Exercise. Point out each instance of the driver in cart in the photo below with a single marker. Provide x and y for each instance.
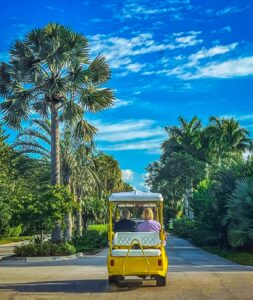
(124, 224)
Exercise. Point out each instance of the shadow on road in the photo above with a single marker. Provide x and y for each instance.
(69, 286)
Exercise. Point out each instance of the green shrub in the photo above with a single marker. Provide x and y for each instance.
(183, 227)
(14, 231)
(45, 249)
(202, 237)
(92, 239)
(99, 227)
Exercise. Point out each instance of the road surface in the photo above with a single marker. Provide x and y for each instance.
(193, 274)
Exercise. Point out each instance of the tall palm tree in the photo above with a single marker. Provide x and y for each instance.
(186, 149)
(50, 72)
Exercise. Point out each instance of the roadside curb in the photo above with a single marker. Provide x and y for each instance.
(11, 258)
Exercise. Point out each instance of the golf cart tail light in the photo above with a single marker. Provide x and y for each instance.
(112, 262)
(159, 262)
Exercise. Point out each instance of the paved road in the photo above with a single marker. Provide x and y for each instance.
(193, 274)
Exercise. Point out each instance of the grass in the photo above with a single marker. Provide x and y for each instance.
(14, 239)
(242, 258)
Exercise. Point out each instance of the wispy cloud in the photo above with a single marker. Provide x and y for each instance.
(226, 10)
(149, 145)
(119, 103)
(122, 52)
(146, 9)
(229, 9)
(228, 69)
(129, 135)
(198, 65)
(216, 50)
(225, 29)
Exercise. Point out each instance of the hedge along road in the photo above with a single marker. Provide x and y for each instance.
(193, 274)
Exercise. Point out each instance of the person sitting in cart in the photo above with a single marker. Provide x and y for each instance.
(149, 225)
(124, 224)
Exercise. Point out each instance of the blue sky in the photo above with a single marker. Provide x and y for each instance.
(168, 58)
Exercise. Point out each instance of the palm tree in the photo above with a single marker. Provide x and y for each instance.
(50, 72)
(186, 138)
(36, 139)
(227, 137)
(184, 145)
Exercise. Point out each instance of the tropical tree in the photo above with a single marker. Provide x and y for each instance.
(36, 139)
(227, 137)
(50, 73)
(239, 214)
(184, 138)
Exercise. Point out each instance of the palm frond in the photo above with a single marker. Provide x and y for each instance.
(33, 134)
(99, 71)
(84, 130)
(95, 100)
(34, 145)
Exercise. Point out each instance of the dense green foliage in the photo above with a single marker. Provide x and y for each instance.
(94, 240)
(51, 73)
(29, 204)
(203, 175)
(44, 249)
(239, 217)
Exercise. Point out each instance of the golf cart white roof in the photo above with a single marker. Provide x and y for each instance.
(137, 196)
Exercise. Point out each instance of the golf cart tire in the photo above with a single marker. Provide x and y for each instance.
(161, 281)
(115, 278)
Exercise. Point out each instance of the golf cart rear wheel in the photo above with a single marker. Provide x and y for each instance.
(160, 281)
(115, 278)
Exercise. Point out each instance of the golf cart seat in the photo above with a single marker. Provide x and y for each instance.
(146, 239)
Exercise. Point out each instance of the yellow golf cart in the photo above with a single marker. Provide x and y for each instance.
(139, 254)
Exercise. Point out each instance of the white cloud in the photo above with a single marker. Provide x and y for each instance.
(226, 29)
(121, 51)
(135, 67)
(228, 69)
(140, 145)
(189, 40)
(130, 135)
(216, 50)
(125, 125)
(119, 103)
(173, 9)
(226, 10)
(229, 9)
(196, 65)
(127, 175)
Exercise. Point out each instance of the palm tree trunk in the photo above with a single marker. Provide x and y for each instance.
(69, 226)
(55, 146)
(79, 225)
(68, 216)
(55, 163)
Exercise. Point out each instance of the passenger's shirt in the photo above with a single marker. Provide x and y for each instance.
(124, 225)
(149, 226)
